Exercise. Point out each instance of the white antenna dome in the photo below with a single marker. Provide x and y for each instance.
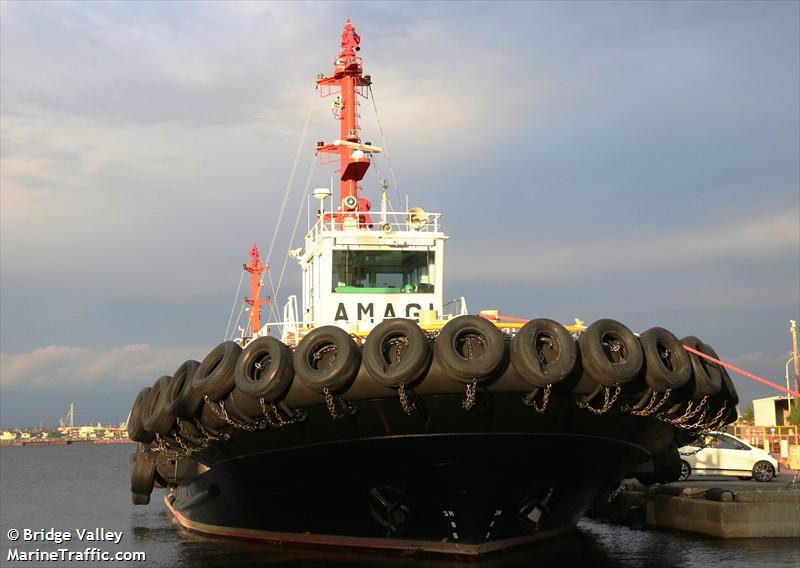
(321, 193)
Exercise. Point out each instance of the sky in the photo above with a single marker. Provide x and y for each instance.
(638, 161)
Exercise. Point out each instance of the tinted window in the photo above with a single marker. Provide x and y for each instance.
(393, 271)
(728, 443)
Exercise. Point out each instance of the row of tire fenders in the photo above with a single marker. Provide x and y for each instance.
(650, 374)
(235, 386)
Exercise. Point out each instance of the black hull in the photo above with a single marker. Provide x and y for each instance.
(463, 483)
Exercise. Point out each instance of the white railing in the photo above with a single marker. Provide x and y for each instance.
(460, 309)
(386, 223)
(290, 324)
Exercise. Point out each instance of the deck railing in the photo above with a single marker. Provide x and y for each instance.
(376, 222)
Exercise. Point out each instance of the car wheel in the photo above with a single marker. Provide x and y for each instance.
(686, 471)
(763, 471)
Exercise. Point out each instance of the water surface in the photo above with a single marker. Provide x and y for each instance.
(86, 486)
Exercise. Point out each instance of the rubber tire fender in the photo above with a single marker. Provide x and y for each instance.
(269, 383)
(138, 499)
(136, 430)
(166, 469)
(414, 362)
(656, 342)
(156, 417)
(707, 376)
(727, 387)
(448, 349)
(727, 391)
(332, 373)
(598, 363)
(143, 474)
(543, 352)
(190, 433)
(214, 377)
(182, 397)
(242, 407)
(213, 424)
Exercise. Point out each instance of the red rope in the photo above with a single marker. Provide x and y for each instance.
(742, 372)
(503, 318)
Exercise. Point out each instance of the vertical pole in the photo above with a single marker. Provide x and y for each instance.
(255, 268)
(793, 330)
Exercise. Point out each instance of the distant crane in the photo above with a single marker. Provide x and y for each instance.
(69, 418)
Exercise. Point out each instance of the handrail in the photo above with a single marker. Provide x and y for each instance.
(400, 221)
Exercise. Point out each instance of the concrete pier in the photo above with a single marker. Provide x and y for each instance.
(723, 510)
(736, 515)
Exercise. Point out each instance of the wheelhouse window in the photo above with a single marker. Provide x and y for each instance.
(383, 272)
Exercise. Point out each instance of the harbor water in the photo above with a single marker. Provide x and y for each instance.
(72, 488)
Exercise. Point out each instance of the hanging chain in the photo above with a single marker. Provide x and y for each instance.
(698, 424)
(330, 403)
(400, 344)
(336, 408)
(407, 406)
(719, 419)
(208, 437)
(687, 415)
(219, 410)
(144, 450)
(469, 401)
(275, 419)
(608, 401)
(653, 406)
(187, 450)
(530, 399)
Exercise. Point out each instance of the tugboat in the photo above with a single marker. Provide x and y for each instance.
(379, 421)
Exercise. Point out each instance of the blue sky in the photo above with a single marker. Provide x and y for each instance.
(639, 161)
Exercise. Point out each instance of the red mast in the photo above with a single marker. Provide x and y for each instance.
(256, 269)
(347, 82)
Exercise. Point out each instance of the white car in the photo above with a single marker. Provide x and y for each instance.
(723, 454)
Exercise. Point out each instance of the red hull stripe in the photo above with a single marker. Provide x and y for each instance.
(308, 539)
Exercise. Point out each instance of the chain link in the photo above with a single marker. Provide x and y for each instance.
(219, 410)
(320, 353)
(710, 426)
(653, 406)
(608, 401)
(699, 424)
(408, 407)
(274, 419)
(530, 399)
(208, 437)
(277, 419)
(330, 403)
(688, 414)
(472, 390)
(337, 408)
(144, 450)
(719, 419)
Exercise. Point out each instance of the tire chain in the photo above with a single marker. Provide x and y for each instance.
(530, 399)
(337, 407)
(608, 401)
(406, 404)
(472, 393)
(687, 415)
(653, 406)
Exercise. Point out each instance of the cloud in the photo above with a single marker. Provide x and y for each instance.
(623, 160)
(550, 259)
(60, 365)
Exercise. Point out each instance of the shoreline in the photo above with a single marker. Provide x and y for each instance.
(62, 442)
